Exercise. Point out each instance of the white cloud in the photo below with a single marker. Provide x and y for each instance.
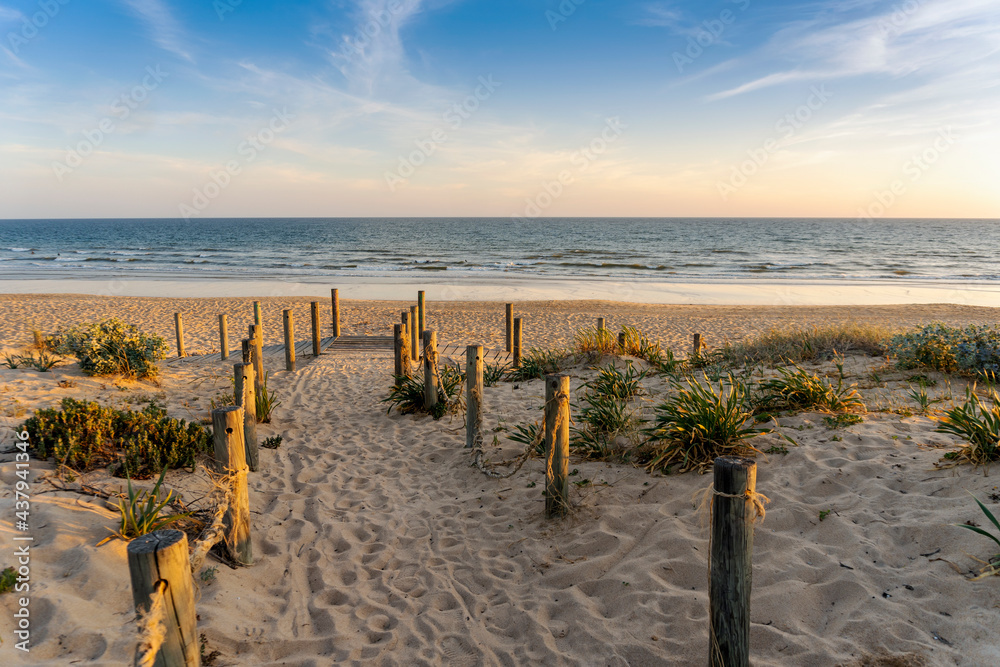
(164, 28)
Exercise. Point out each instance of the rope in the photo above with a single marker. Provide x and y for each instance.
(490, 469)
(210, 536)
(152, 628)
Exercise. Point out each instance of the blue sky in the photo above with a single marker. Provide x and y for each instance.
(169, 108)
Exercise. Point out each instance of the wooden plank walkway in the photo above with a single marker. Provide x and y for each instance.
(303, 349)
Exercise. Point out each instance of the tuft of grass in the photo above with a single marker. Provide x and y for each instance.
(7, 580)
(797, 389)
(920, 397)
(992, 519)
(637, 344)
(978, 424)
(408, 397)
(494, 373)
(596, 341)
(616, 383)
(842, 421)
(271, 443)
(604, 417)
(266, 401)
(701, 422)
(527, 434)
(537, 364)
(142, 512)
(794, 345)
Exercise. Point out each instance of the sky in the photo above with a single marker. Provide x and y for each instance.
(522, 108)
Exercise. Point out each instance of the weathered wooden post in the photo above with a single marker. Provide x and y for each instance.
(246, 398)
(430, 370)
(600, 323)
(556, 445)
(286, 316)
(474, 393)
(400, 352)
(696, 345)
(257, 353)
(223, 336)
(314, 308)
(404, 319)
(335, 298)
(517, 342)
(158, 564)
(230, 456)
(622, 341)
(414, 335)
(179, 325)
(245, 350)
(510, 327)
(256, 313)
(421, 311)
(731, 561)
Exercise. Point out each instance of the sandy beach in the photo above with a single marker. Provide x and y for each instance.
(377, 543)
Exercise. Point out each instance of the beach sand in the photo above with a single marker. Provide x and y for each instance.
(376, 542)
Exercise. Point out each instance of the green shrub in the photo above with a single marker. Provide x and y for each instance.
(794, 345)
(616, 383)
(537, 364)
(494, 373)
(799, 390)
(972, 350)
(408, 396)
(113, 347)
(7, 580)
(701, 423)
(141, 513)
(976, 423)
(604, 417)
(84, 436)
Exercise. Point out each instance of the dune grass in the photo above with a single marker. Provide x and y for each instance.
(781, 345)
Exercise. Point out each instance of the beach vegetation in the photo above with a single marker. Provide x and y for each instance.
(43, 362)
(84, 435)
(978, 424)
(920, 397)
(408, 395)
(596, 341)
(538, 363)
(993, 565)
(806, 344)
(43, 343)
(842, 421)
(797, 389)
(494, 373)
(700, 422)
(271, 443)
(111, 347)
(530, 435)
(266, 401)
(7, 580)
(974, 350)
(142, 512)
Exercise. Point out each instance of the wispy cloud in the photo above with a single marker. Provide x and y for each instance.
(9, 14)
(163, 27)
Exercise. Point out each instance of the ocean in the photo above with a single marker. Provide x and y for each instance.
(633, 249)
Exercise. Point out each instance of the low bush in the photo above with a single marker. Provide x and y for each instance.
(699, 423)
(85, 435)
(978, 424)
(538, 363)
(408, 396)
(112, 347)
(797, 389)
(779, 345)
(974, 350)
(596, 341)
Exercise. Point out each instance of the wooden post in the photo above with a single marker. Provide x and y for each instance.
(246, 398)
(517, 342)
(335, 298)
(256, 313)
(400, 352)
(314, 306)
(223, 336)
(621, 341)
(421, 311)
(179, 325)
(696, 345)
(286, 317)
(731, 562)
(430, 370)
(408, 338)
(230, 456)
(474, 393)
(600, 323)
(510, 327)
(257, 353)
(414, 336)
(556, 445)
(245, 350)
(160, 560)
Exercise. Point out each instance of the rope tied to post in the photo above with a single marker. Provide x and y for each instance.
(214, 533)
(152, 629)
(754, 502)
(490, 469)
